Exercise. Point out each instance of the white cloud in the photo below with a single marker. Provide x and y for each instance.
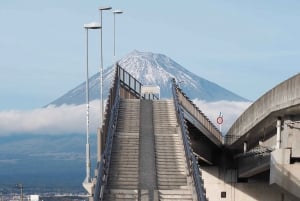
(231, 110)
(51, 120)
(72, 118)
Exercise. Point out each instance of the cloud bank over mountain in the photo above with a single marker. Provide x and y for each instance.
(71, 119)
(65, 119)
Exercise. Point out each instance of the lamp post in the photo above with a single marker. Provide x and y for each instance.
(101, 67)
(87, 182)
(115, 12)
(20, 186)
(101, 86)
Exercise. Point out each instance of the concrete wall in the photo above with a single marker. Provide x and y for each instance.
(290, 135)
(249, 166)
(282, 96)
(216, 181)
(283, 173)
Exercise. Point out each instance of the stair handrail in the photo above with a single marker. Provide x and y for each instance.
(193, 109)
(109, 128)
(130, 83)
(192, 163)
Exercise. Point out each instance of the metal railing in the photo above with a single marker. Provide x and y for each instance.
(109, 128)
(192, 163)
(129, 83)
(132, 86)
(189, 106)
(150, 97)
(129, 86)
(255, 151)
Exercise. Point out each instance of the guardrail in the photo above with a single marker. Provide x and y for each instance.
(255, 151)
(131, 87)
(192, 163)
(124, 85)
(189, 106)
(109, 129)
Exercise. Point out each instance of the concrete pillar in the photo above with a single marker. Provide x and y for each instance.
(278, 134)
(103, 141)
(245, 146)
(290, 135)
(99, 145)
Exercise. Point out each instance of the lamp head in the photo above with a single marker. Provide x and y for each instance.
(105, 8)
(117, 11)
(92, 25)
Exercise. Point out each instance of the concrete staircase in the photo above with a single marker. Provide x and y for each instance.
(148, 159)
(173, 181)
(123, 179)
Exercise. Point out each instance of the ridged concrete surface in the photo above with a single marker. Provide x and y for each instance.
(123, 179)
(148, 160)
(170, 158)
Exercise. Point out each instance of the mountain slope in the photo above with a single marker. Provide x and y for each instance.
(152, 69)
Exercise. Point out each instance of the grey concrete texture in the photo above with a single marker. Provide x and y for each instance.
(217, 181)
(148, 160)
(147, 168)
(284, 174)
(282, 97)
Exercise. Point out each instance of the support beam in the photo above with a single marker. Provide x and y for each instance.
(99, 145)
(278, 134)
(245, 146)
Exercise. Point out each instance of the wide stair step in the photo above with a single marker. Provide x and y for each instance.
(176, 195)
(148, 159)
(121, 194)
(123, 177)
(172, 178)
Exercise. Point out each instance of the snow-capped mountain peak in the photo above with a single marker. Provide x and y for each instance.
(153, 69)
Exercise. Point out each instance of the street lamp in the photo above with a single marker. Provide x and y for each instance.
(101, 67)
(101, 84)
(20, 186)
(87, 182)
(115, 12)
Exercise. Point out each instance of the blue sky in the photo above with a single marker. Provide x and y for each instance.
(245, 46)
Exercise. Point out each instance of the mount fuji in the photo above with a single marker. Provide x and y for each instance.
(152, 69)
(53, 147)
